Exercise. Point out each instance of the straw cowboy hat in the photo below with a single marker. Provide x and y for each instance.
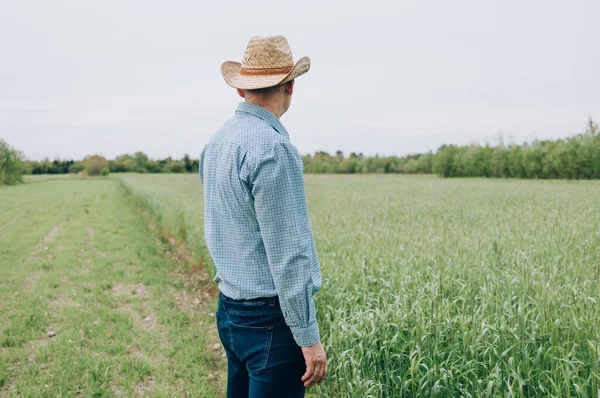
(267, 62)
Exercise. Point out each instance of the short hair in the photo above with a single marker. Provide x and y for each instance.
(267, 91)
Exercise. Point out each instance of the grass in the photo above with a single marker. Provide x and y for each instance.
(88, 302)
(460, 287)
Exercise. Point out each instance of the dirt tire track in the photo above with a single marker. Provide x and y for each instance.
(197, 296)
(7, 226)
(90, 236)
(30, 283)
(143, 318)
(33, 278)
(10, 223)
(47, 239)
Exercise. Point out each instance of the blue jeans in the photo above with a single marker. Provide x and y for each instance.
(263, 360)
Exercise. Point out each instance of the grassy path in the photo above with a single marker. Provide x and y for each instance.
(92, 303)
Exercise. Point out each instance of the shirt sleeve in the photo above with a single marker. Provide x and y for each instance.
(277, 186)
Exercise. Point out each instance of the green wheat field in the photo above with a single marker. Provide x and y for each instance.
(431, 287)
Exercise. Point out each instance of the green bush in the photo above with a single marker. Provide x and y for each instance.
(95, 164)
(104, 172)
(76, 167)
(176, 166)
(11, 169)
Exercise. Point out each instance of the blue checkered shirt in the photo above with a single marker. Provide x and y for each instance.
(256, 220)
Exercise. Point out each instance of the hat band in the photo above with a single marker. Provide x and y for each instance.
(265, 71)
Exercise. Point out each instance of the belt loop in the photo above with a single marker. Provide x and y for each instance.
(272, 301)
(223, 302)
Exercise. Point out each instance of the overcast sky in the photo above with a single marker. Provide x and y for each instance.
(390, 77)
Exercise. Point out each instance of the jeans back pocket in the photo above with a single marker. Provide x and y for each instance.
(251, 344)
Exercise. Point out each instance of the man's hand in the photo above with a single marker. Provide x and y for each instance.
(316, 364)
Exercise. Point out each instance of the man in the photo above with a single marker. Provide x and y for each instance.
(259, 235)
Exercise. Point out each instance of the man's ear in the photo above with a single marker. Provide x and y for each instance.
(289, 87)
(241, 93)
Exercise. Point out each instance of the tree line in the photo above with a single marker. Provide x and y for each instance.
(139, 162)
(323, 162)
(576, 157)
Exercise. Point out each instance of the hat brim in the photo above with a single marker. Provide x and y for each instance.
(232, 76)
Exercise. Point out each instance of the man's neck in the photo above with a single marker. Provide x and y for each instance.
(271, 106)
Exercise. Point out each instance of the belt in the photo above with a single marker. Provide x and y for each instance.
(255, 302)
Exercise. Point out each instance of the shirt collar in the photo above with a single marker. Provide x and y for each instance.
(246, 108)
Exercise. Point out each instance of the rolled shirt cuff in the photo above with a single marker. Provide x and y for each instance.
(306, 337)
